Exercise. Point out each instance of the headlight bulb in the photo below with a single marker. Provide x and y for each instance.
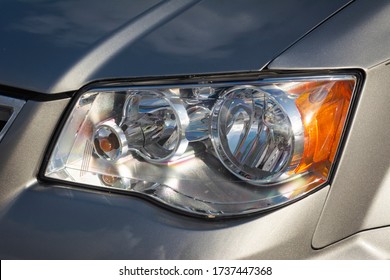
(109, 141)
(153, 125)
(254, 136)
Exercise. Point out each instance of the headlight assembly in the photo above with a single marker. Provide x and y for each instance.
(212, 148)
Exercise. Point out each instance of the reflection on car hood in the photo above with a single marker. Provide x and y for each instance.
(56, 46)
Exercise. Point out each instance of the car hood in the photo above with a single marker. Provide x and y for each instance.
(58, 46)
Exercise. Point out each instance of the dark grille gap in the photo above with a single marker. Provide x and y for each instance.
(5, 114)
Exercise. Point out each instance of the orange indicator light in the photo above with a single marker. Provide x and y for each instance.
(323, 106)
(106, 145)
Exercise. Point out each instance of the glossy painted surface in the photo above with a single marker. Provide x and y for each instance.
(56, 46)
(359, 197)
(40, 40)
(348, 220)
(357, 37)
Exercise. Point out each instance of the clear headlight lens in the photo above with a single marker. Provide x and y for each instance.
(213, 149)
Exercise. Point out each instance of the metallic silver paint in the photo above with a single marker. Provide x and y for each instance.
(40, 220)
(356, 37)
(360, 192)
(54, 46)
(23, 147)
(98, 56)
(367, 245)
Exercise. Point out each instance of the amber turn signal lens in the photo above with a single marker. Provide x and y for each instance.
(323, 106)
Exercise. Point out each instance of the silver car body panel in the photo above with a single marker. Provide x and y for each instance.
(58, 46)
(359, 197)
(347, 220)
